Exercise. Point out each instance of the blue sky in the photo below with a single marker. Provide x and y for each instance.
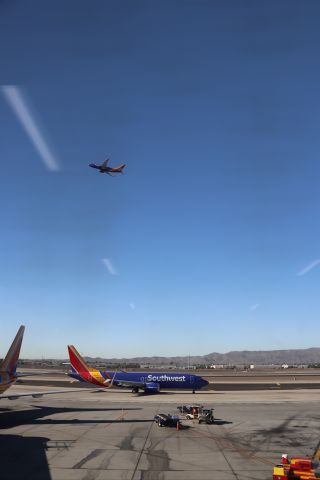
(214, 107)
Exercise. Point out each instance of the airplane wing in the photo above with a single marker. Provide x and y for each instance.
(129, 383)
(105, 163)
(124, 383)
(15, 396)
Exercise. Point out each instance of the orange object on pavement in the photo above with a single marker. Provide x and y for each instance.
(298, 468)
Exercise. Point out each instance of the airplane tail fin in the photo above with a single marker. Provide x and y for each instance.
(86, 373)
(77, 362)
(122, 167)
(10, 361)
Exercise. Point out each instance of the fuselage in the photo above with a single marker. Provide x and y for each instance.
(165, 380)
(106, 169)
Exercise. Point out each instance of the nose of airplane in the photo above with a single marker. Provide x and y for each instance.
(204, 382)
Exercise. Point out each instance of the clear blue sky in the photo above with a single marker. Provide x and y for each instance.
(214, 106)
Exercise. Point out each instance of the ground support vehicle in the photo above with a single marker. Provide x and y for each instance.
(197, 412)
(206, 416)
(185, 409)
(168, 420)
(298, 468)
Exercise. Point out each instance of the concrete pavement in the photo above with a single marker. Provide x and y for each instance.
(98, 436)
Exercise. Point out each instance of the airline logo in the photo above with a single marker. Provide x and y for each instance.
(166, 378)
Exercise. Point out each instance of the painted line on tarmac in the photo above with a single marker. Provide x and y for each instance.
(120, 417)
(230, 446)
(143, 447)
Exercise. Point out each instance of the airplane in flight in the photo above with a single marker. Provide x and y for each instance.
(146, 381)
(9, 374)
(103, 168)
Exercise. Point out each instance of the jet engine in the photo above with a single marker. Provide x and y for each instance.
(152, 387)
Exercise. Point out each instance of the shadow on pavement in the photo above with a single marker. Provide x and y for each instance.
(219, 421)
(183, 426)
(175, 392)
(12, 418)
(24, 458)
(52, 421)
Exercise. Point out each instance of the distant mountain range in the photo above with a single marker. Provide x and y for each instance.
(269, 357)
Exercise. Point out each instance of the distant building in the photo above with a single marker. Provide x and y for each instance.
(158, 367)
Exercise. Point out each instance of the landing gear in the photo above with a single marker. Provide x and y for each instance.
(135, 390)
(193, 391)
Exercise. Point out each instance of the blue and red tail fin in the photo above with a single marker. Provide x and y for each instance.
(77, 362)
(10, 361)
(86, 373)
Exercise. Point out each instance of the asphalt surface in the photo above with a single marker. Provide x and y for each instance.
(231, 384)
(93, 435)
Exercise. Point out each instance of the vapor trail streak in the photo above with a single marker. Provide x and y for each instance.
(108, 264)
(14, 97)
(254, 307)
(309, 267)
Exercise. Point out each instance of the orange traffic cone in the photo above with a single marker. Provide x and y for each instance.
(178, 425)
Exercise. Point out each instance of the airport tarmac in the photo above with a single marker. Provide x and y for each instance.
(239, 381)
(94, 435)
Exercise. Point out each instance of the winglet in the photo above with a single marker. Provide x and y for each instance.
(9, 364)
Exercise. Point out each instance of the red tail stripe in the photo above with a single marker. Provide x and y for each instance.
(76, 362)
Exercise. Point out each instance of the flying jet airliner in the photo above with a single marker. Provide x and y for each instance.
(103, 168)
(146, 381)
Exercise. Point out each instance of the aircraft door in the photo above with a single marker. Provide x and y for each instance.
(191, 379)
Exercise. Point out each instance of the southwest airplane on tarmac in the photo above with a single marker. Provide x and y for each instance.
(148, 382)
